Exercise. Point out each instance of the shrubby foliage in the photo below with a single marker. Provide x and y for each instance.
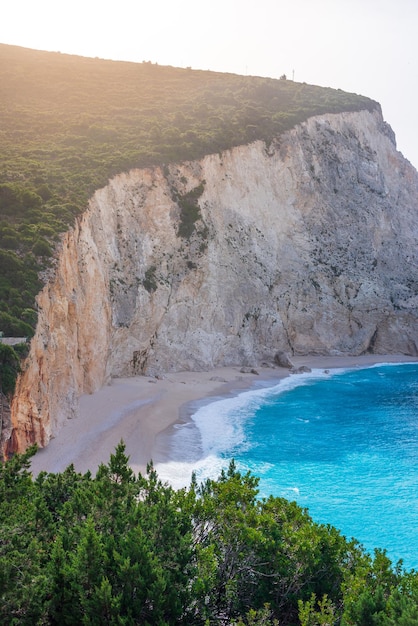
(124, 549)
(9, 368)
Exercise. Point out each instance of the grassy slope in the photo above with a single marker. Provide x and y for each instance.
(69, 123)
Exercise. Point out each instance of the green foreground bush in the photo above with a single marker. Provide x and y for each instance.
(123, 549)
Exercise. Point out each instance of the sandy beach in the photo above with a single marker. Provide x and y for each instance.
(140, 410)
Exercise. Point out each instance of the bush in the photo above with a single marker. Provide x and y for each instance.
(9, 369)
(42, 248)
(189, 211)
(13, 327)
(124, 549)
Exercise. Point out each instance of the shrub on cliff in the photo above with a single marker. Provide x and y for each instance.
(10, 326)
(9, 369)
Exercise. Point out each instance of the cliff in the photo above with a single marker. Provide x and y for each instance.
(307, 245)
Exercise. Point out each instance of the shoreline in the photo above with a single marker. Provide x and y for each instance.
(145, 411)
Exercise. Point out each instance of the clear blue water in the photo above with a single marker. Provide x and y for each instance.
(344, 444)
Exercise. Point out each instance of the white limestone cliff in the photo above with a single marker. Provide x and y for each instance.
(307, 245)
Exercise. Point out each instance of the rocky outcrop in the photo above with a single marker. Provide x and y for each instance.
(307, 246)
(282, 359)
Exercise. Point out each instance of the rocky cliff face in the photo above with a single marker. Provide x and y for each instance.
(307, 245)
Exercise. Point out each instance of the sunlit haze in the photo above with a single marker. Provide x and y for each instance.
(368, 47)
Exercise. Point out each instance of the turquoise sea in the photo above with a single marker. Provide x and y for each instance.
(343, 443)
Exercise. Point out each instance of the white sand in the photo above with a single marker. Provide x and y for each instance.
(138, 409)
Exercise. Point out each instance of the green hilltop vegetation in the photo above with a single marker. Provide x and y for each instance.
(68, 124)
(122, 549)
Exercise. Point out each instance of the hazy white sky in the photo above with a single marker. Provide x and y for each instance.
(363, 46)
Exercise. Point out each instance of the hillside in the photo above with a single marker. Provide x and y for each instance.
(69, 123)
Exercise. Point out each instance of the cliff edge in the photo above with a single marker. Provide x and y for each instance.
(308, 245)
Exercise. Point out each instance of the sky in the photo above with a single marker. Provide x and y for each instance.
(369, 47)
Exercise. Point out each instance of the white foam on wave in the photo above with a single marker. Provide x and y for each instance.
(391, 364)
(179, 473)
